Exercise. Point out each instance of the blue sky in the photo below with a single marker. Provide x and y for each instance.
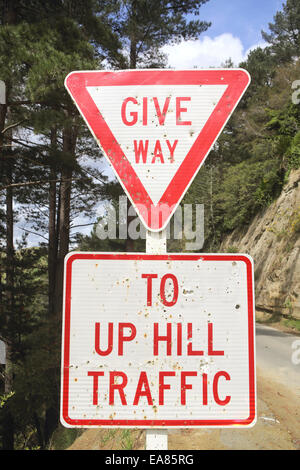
(242, 18)
(236, 29)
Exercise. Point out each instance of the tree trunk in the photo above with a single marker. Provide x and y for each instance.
(60, 240)
(8, 436)
(133, 40)
(51, 415)
(9, 277)
(133, 54)
(69, 145)
(52, 233)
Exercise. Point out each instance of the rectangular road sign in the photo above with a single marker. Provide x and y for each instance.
(158, 341)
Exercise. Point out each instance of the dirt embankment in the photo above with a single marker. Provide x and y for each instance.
(273, 241)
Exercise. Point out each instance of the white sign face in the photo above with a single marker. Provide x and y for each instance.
(158, 341)
(156, 145)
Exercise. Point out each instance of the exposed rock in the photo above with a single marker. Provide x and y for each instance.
(273, 241)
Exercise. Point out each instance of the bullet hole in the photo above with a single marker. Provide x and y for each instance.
(237, 306)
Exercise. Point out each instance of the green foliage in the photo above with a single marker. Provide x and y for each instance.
(292, 323)
(63, 437)
(294, 225)
(293, 152)
(284, 38)
(23, 328)
(127, 441)
(285, 124)
(247, 188)
(259, 147)
(261, 67)
(232, 249)
(5, 398)
(147, 25)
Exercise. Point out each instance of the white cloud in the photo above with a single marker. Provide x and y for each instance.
(207, 52)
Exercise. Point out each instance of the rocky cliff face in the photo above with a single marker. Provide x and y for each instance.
(273, 241)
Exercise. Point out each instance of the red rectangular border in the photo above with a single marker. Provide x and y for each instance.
(237, 81)
(66, 420)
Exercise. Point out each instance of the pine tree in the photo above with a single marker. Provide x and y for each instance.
(284, 35)
(145, 26)
(41, 43)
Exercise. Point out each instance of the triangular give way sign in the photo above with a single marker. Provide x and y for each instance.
(156, 127)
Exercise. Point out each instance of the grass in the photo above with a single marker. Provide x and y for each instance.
(122, 439)
(64, 437)
(109, 434)
(288, 322)
(127, 439)
(292, 323)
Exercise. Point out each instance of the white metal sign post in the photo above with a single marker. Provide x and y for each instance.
(156, 243)
(157, 340)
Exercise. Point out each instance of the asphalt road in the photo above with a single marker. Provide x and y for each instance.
(276, 356)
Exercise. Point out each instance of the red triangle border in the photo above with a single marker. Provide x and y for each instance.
(155, 218)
